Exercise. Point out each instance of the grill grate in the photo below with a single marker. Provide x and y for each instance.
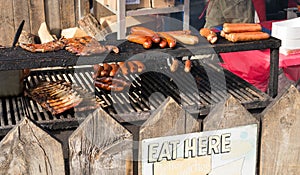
(148, 90)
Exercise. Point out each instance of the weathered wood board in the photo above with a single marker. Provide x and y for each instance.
(37, 14)
(21, 12)
(29, 150)
(280, 145)
(228, 114)
(52, 15)
(100, 145)
(167, 120)
(67, 13)
(7, 25)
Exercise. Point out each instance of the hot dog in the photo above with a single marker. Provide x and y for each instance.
(241, 27)
(246, 36)
(97, 70)
(170, 40)
(174, 65)
(185, 38)
(163, 43)
(123, 68)
(188, 65)
(210, 35)
(139, 64)
(115, 68)
(146, 32)
(140, 39)
(132, 67)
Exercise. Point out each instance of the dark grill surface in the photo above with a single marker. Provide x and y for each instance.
(195, 92)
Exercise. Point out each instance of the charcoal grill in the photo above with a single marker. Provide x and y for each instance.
(138, 102)
(135, 104)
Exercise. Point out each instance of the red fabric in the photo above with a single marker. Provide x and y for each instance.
(253, 66)
(260, 7)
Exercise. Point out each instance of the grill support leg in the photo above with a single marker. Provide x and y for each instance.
(274, 68)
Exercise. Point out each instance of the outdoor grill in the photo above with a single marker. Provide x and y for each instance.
(147, 91)
(134, 104)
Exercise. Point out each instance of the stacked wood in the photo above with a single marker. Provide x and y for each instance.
(280, 148)
(27, 149)
(44, 34)
(100, 145)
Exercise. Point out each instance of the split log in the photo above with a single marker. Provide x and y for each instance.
(73, 32)
(27, 149)
(26, 38)
(228, 114)
(100, 145)
(167, 120)
(44, 33)
(280, 148)
(92, 27)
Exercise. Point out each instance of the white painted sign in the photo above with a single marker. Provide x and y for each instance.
(229, 151)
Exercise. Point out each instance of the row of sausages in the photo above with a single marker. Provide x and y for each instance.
(105, 75)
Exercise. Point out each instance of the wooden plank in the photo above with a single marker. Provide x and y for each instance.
(167, 120)
(7, 23)
(100, 10)
(102, 144)
(280, 135)
(52, 12)
(27, 149)
(21, 12)
(37, 15)
(82, 8)
(67, 13)
(228, 114)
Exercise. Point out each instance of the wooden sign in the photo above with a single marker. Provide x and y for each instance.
(226, 151)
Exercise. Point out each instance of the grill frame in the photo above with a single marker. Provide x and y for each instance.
(82, 77)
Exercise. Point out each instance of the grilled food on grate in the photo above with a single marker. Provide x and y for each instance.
(58, 97)
(79, 45)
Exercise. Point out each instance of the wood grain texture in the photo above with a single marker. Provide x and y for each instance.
(228, 114)
(53, 20)
(100, 145)
(21, 12)
(37, 14)
(167, 120)
(67, 13)
(27, 149)
(7, 25)
(280, 148)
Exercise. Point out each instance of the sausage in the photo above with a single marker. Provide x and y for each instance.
(246, 36)
(123, 68)
(132, 67)
(163, 43)
(174, 65)
(97, 70)
(140, 39)
(241, 27)
(106, 69)
(210, 35)
(188, 65)
(102, 85)
(115, 68)
(170, 40)
(180, 32)
(139, 64)
(111, 84)
(185, 38)
(104, 79)
(146, 32)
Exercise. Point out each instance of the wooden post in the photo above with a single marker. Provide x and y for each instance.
(280, 146)
(228, 114)
(37, 14)
(100, 145)
(27, 149)
(7, 26)
(167, 120)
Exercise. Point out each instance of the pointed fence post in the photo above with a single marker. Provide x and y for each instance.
(280, 145)
(100, 145)
(27, 149)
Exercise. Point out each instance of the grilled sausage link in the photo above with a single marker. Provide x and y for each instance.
(140, 39)
(210, 35)
(241, 27)
(146, 32)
